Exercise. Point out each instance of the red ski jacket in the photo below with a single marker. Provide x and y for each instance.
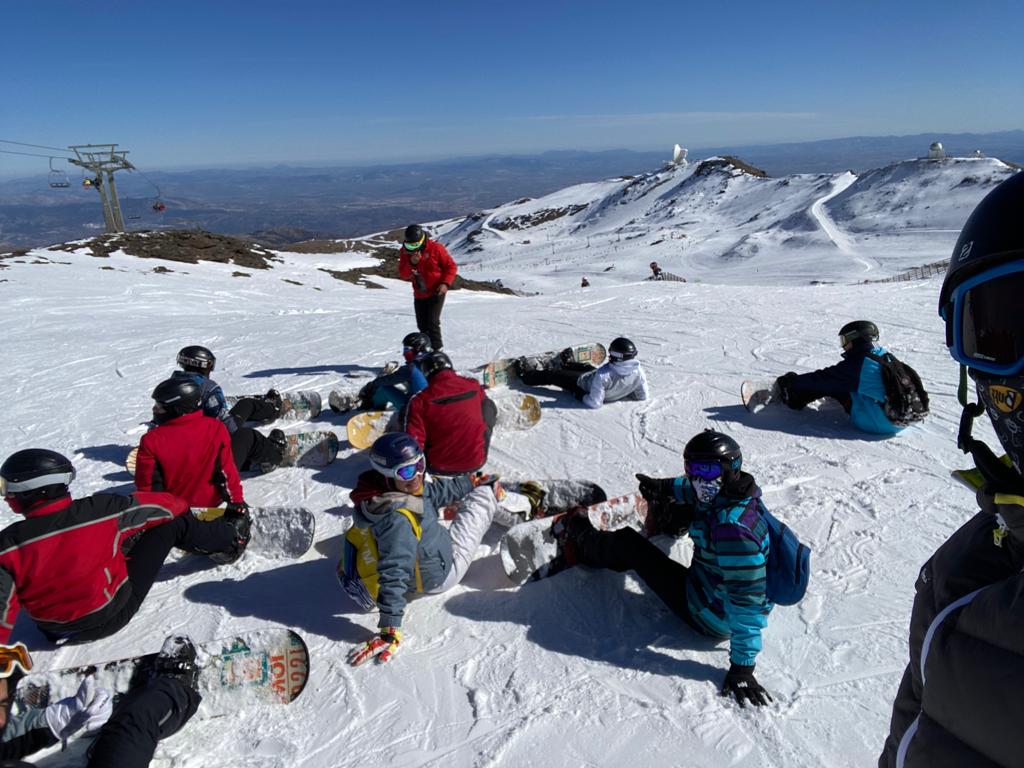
(64, 562)
(189, 456)
(434, 267)
(452, 421)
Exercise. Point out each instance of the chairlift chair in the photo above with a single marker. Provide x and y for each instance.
(58, 179)
(159, 206)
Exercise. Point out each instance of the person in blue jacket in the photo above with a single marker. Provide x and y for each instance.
(397, 387)
(722, 594)
(250, 449)
(856, 381)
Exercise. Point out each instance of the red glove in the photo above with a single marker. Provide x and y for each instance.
(383, 647)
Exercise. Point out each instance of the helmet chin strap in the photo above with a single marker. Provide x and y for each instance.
(992, 469)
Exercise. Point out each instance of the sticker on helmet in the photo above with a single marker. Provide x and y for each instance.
(1005, 399)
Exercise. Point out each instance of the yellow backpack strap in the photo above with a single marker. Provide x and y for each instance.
(416, 529)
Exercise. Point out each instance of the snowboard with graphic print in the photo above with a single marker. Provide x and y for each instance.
(261, 667)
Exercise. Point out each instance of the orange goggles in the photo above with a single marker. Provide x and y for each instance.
(14, 657)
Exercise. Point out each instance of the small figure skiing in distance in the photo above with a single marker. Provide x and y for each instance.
(584, 283)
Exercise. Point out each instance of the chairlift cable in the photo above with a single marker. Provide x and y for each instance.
(37, 146)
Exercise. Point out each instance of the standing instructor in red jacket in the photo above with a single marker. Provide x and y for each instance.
(426, 264)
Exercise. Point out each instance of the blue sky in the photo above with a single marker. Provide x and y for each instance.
(232, 83)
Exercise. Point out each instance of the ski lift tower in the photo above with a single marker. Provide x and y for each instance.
(103, 160)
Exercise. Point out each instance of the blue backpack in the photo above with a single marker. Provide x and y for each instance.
(789, 563)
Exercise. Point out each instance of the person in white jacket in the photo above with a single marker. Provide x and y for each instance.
(621, 378)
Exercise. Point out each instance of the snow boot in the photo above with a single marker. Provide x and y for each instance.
(242, 525)
(177, 658)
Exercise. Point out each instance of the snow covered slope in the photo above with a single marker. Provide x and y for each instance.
(586, 668)
(714, 220)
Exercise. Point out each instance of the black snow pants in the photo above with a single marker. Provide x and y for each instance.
(254, 409)
(628, 550)
(566, 377)
(250, 449)
(798, 398)
(147, 714)
(147, 556)
(428, 318)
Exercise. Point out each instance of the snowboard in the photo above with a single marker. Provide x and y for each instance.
(556, 496)
(514, 412)
(308, 449)
(295, 406)
(530, 551)
(264, 666)
(972, 479)
(756, 395)
(277, 532)
(502, 371)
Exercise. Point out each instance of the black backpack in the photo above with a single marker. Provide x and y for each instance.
(906, 401)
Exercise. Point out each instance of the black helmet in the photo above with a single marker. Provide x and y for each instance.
(393, 450)
(858, 329)
(176, 397)
(980, 301)
(434, 362)
(714, 446)
(993, 235)
(197, 359)
(414, 237)
(417, 341)
(621, 349)
(36, 473)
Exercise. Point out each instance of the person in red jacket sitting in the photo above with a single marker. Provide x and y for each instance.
(451, 419)
(81, 568)
(187, 453)
(426, 264)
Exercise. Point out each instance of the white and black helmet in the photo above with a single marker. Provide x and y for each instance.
(33, 470)
(197, 359)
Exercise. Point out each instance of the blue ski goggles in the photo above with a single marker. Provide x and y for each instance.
(705, 470)
(406, 471)
(984, 322)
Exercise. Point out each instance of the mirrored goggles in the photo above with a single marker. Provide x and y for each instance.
(415, 246)
(984, 323)
(411, 353)
(406, 471)
(705, 470)
(14, 657)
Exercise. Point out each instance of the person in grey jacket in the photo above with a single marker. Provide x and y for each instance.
(397, 546)
(621, 378)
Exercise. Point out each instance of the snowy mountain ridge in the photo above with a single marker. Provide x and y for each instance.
(715, 221)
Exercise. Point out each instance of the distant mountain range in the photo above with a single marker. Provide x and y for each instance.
(285, 204)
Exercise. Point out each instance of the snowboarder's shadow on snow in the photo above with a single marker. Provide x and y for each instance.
(590, 614)
(283, 596)
(829, 421)
(115, 454)
(311, 369)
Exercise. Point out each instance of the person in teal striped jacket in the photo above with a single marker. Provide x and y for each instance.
(722, 593)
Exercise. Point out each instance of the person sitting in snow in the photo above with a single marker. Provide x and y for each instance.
(396, 545)
(251, 450)
(127, 734)
(452, 419)
(395, 388)
(82, 567)
(621, 378)
(856, 382)
(722, 593)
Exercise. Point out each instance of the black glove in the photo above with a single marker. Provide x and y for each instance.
(236, 508)
(740, 683)
(653, 489)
